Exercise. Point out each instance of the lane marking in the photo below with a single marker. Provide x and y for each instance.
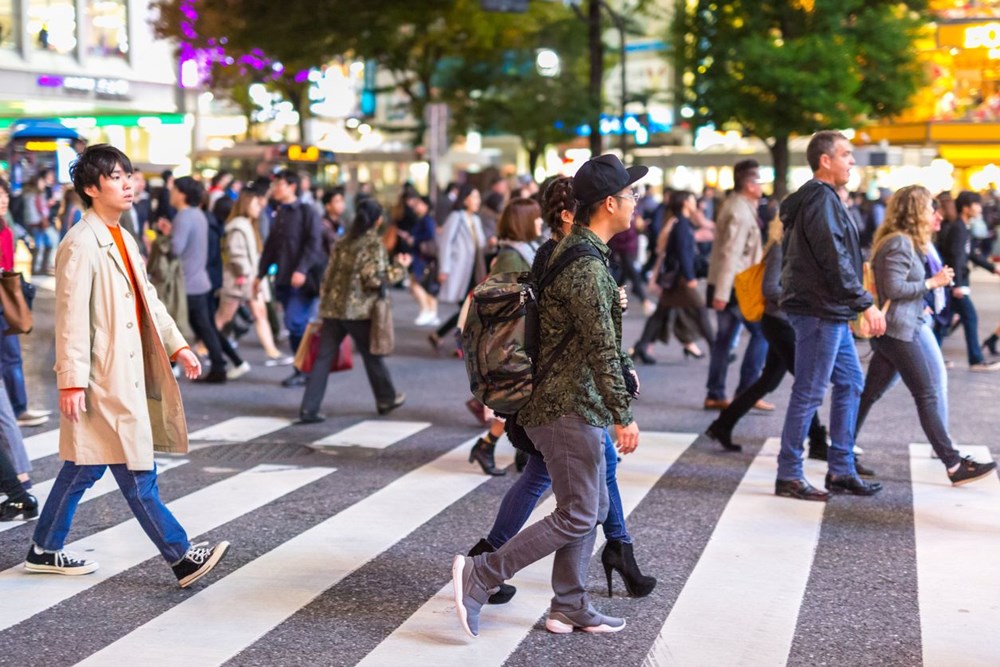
(757, 561)
(241, 429)
(373, 434)
(958, 539)
(126, 545)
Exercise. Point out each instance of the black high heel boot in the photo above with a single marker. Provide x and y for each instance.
(504, 592)
(482, 453)
(639, 352)
(20, 510)
(991, 345)
(618, 555)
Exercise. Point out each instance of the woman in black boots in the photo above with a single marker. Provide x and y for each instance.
(519, 501)
(19, 504)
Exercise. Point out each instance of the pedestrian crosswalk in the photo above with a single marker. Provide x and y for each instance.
(756, 567)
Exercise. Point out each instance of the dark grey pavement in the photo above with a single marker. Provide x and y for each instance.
(860, 605)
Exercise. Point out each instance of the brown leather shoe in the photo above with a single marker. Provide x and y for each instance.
(763, 406)
(800, 489)
(716, 404)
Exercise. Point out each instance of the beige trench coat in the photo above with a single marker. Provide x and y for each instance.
(133, 401)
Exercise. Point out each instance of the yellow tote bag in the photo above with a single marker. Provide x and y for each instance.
(749, 288)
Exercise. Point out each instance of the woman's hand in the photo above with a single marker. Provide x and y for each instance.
(404, 260)
(943, 277)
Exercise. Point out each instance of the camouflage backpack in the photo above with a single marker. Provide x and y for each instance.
(500, 337)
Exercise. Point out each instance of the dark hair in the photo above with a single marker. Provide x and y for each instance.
(219, 176)
(366, 214)
(259, 186)
(192, 190)
(584, 213)
(517, 222)
(166, 175)
(331, 193)
(966, 199)
(463, 193)
(677, 200)
(494, 201)
(222, 208)
(290, 177)
(96, 161)
(43, 173)
(557, 196)
(742, 172)
(821, 144)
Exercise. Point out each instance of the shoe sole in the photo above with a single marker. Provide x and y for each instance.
(36, 568)
(974, 479)
(820, 499)
(558, 627)
(847, 492)
(209, 565)
(237, 376)
(457, 567)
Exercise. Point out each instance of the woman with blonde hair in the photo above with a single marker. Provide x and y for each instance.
(242, 245)
(780, 358)
(908, 348)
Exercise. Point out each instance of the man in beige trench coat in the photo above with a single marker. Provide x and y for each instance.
(118, 397)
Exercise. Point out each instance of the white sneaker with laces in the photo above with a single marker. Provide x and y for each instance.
(236, 372)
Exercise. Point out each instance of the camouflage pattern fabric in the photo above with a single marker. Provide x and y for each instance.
(353, 276)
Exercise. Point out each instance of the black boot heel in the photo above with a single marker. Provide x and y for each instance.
(21, 510)
(618, 555)
(482, 453)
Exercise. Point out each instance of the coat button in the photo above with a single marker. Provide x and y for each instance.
(129, 325)
(128, 295)
(131, 355)
(136, 385)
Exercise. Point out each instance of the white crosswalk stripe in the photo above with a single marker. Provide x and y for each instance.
(759, 559)
(104, 486)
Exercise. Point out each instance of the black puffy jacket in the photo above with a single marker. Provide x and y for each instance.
(822, 270)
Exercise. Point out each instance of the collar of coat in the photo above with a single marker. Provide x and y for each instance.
(107, 242)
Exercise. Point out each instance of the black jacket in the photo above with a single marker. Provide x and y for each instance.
(822, 269)
(294, 244)
(954, 244)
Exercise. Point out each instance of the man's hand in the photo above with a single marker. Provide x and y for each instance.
(190, 363)
(623, 298)
(628, 437)
(298, 279)
(958, 293)
(876, 320)
(404, 260)
(692, 284)
(719, 305)
(71, 403)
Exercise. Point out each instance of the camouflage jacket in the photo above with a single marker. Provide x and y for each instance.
(353, 276)
(587, 379)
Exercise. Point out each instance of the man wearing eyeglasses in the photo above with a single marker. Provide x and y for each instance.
(737, 247)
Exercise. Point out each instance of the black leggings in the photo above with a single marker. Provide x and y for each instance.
(202, 320)
(780, 338)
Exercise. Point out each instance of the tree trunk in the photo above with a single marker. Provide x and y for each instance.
(534, 154)
(596, 41)
(779, 158)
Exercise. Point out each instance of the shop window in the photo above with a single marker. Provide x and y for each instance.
(107, 28)
(52, 25)
(8, 23)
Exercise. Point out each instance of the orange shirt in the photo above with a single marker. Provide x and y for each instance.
(116, 234)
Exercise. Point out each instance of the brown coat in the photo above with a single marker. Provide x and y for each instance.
(133, 401)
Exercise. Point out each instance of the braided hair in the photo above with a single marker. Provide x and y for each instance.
(557, 196)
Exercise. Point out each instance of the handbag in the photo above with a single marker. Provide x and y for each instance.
(14, 296)
(382, 339)
(305, 356)
(749, 288)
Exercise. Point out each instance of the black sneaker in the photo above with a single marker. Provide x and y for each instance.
(851, 484)
(970, 471)
(723, 437)
(198, 561)
(59, 562)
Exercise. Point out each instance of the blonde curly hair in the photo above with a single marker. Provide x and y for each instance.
(907, 214)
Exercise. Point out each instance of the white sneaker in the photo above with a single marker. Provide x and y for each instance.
(34, 414)
(435, 321)
(25, 420)
(236, 372)
(280, 360)
(425, 318)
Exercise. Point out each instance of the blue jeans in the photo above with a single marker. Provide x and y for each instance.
(13, 372)
(139, 489)
(824, 354)
(299, 311)
(521, 498)
(729, 321)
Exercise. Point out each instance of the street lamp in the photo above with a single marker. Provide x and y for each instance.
(547, 62)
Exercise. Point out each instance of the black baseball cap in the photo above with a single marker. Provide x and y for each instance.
(602, 177)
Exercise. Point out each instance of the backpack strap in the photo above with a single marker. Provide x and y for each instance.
(552, 271)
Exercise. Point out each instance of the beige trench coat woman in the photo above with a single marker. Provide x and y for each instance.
(133, 401)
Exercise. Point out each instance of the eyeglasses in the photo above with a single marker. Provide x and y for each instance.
(634, 196)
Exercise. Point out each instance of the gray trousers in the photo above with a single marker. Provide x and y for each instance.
(10, 435)
(574, 456)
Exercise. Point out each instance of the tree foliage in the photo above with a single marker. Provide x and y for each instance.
(788, 67)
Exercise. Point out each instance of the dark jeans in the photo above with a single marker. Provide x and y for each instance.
(299, 309)
(910, 360)
(521, 498)
(970, 323)
(202, 321)
(729, 320)
(628, 272)
(331, 335)
(13, 372)
(780, 360)
(139, 489)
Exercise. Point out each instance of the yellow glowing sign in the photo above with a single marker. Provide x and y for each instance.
(298, 154)
(41, 146)
(983, 36)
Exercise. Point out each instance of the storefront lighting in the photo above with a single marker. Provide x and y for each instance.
(148, 122)
(41, 146)
(352, 123)
(357, 68)
(364, 128)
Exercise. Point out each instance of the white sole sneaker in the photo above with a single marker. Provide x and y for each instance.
(237, 372)
(558, 624)
(40, 568)
(217, 554)
(457, 567)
